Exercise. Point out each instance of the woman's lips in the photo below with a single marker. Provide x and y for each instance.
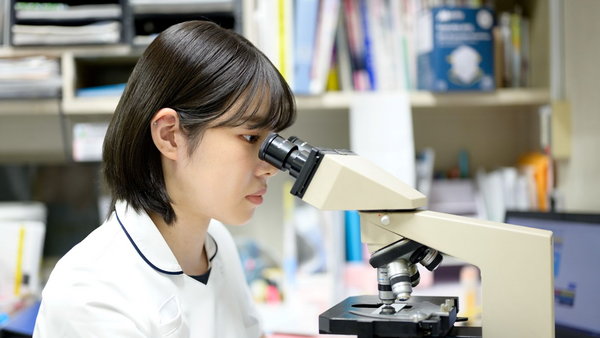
(257, 197)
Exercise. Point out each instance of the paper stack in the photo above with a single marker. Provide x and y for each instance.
(105, 32)
(31, 77)
(39, 23)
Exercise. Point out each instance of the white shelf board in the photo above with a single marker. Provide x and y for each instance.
(58, 51)
(341, 101)
(181, 6)
(90, 105)
(423, 99)
(28, 106)
(330, 100)
(501, 97)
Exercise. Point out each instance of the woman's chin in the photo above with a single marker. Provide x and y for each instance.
(237, 220)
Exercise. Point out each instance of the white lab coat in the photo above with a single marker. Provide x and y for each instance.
(124, 281)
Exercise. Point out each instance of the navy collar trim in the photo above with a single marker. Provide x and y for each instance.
(142, 255)
(216, 247)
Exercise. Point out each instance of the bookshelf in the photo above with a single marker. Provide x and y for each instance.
(485, 120)
(515, 109)
(495, 127)
(73, 105)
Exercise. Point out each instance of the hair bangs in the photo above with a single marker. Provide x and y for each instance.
(267, 91)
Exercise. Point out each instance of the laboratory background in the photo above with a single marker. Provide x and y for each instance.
(489, 108)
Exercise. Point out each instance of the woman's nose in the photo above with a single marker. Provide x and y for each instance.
(267, 169)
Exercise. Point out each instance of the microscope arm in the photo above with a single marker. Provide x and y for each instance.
(516, 263)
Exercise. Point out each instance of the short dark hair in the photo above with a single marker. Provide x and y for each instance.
(201, 71)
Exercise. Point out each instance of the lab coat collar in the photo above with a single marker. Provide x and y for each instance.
(148, 241)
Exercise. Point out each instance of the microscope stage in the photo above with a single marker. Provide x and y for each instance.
(419, 316)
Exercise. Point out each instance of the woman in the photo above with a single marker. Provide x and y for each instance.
(181, 150)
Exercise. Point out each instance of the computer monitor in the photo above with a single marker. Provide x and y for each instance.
(576, 268)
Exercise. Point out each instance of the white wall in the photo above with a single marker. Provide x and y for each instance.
(579, 177)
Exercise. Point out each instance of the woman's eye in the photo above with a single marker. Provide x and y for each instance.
(251, 138)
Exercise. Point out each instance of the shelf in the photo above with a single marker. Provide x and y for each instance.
(90, 106)
(421, 99)
(501, 97)
(58, 51)
(28, 106)
(341, 101)
(182, 7)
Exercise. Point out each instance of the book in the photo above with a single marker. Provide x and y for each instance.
(540, 166)
(324, 42)
(515, 32)
(265, 19)
(386, 45)
(507, 48)
(498, 56)
(343, 57)
(4, 10)
(367, 41)
(286, 40)
(399, 44)
(360, 77)
(333, 83)
(305, 21)
(409, 11)
(525, 81)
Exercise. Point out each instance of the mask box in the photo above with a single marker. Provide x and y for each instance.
(455, 49)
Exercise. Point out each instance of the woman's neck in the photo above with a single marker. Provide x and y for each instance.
(186, 239)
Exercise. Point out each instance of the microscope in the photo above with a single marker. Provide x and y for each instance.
(516, 262)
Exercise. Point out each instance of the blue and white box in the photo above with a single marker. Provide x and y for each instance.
(455, 49)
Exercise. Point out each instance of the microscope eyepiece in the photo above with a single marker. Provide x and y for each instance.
(283, 154)
(274, 150)
(302, 145)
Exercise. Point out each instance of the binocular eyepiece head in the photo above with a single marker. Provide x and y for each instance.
(290, 154)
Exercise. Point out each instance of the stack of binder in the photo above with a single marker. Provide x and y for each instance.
(31, 77)
(39, 23)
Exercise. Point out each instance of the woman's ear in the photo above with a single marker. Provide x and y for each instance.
(166, 135)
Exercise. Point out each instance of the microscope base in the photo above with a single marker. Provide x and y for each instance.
(419, 316)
